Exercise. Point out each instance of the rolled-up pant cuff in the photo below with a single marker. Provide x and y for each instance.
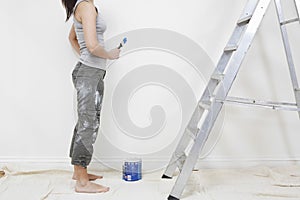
(82, 163)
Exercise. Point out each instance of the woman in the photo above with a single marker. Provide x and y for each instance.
(86, 37)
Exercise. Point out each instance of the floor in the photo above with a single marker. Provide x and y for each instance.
(256, 183)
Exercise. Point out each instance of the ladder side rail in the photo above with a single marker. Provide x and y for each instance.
(244, 46)
(297, 5)
(231, 44)
(288, 53)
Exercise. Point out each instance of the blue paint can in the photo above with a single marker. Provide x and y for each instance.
(132, 169)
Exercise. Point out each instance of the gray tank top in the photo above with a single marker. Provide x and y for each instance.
(85, 56)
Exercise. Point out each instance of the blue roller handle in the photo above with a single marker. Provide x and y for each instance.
(122, 43)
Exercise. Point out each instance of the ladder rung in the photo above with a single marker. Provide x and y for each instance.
(244, 20)
(205, 104)
(218, 77)
(248, 12)
(191, 133)
(289, 21)
(230, 48)
(180, 161)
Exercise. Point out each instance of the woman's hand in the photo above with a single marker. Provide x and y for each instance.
(114, 54)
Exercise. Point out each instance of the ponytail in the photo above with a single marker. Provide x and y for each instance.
(69, 6)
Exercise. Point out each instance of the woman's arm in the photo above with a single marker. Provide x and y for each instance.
(73, 40)
(87, 14)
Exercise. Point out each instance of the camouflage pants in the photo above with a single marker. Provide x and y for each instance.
(89, 85)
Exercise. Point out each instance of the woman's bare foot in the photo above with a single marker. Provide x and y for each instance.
(83, 184)
(90, 187)
(92, 177)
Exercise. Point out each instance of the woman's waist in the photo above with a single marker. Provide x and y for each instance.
(93, 61)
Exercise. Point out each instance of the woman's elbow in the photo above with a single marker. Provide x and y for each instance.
(72, 38)
(92, 47)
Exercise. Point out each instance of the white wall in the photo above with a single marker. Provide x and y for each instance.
(37, 111)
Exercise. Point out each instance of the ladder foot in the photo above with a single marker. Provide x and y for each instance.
(166, 177)
(172, 198)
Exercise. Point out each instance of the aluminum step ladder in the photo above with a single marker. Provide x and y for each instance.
(215, 94)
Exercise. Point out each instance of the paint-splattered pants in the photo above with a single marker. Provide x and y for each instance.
(89, 85)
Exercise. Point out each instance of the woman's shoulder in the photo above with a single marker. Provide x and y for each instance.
(84, 5)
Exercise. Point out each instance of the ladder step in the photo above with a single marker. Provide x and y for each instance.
(205, 104)
(217, 77)
(230, 48)
(190, 133)
(247, 12)
(289, 21)
(244, 20)
(297, 89)
(180, 161)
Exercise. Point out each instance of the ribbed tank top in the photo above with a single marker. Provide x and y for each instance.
(85, 56)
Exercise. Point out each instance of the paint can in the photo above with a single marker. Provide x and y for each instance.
(132, 169)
